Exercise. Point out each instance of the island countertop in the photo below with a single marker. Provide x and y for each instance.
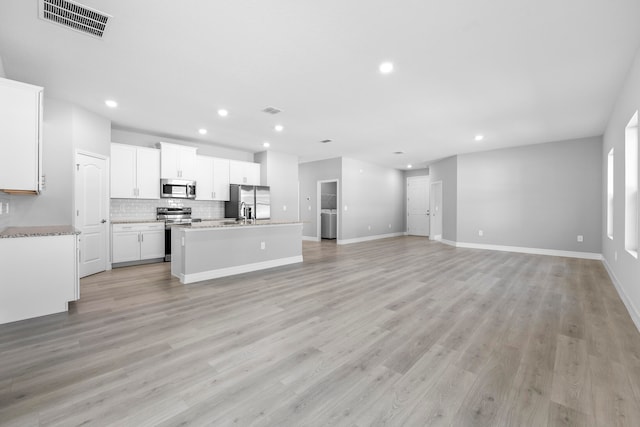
(38, 231)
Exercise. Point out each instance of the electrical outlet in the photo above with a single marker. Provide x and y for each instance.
(284, 207)
(263, 245)
(309, 207)
(389, 225)
(615, 256)
(580, 238)
(369, 227)
(480, 233)
(346, 208)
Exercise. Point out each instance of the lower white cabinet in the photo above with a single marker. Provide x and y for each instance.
(39, 276)
(137, 241)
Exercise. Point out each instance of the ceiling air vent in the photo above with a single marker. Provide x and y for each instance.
(74, 16)
(271, 110)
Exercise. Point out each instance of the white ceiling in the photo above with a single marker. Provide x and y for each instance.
(518, 72)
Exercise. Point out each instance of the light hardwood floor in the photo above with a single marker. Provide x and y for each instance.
(400, 331)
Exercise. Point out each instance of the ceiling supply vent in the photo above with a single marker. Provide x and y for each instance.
(271, 110)
(74, 16)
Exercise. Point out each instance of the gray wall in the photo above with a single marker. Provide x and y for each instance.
(280, 172)
(626, 268)
(309, 174)
(375, 199)
(446, 170)
(65, 129)
(5, 218)
(142, 139)
(537, 196)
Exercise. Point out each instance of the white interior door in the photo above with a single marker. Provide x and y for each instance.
(418, 206)
(92, 212)
(435, 209)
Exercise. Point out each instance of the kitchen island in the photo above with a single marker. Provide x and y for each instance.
(213, 249)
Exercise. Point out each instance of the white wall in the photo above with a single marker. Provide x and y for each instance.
(280, 172)
(625, 270)
(537, 196)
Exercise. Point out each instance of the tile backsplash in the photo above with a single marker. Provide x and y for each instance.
(5, 218)
(146, 209)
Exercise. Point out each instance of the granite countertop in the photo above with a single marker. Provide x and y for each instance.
(135, 221)
(38, 231)
(227, 223)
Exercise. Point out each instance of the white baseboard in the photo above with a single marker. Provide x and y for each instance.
(230, 271)
(369, 238)
(310, 238)
(633, 311)
(524, 250)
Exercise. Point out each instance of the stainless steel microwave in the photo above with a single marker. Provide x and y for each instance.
(177, 189)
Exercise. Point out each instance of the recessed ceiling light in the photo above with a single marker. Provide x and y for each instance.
(223, 113)
(278, 128)
(409, 166)
(398, 152)
(202, 131)
(111, 103)
(266, 144)
(386, 67)
(479, 137)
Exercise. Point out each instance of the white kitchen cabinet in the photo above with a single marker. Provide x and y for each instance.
(212, 178)
(135, 172)
(177, 161)
(137, 241)
(244, 172)
(39, 276)
(20, 137)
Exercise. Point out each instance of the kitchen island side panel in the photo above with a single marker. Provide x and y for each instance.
(217, 252)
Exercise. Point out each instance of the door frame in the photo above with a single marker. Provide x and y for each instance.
(433, 236)
(107, 240)
(319, 208)
(406, 228)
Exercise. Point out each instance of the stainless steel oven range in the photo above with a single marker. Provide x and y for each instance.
(172, 217)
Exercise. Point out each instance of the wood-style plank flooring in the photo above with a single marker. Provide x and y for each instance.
(400, 331)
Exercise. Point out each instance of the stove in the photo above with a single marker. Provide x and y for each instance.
(172, 217)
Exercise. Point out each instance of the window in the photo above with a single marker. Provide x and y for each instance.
(610, 194)
(631, 186)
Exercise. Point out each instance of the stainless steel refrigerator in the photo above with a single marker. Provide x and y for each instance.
(248, 201)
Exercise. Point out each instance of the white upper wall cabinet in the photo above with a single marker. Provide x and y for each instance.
(135, 172)
(212, 178)
(244, 172)
(20, 137)
(177, 161)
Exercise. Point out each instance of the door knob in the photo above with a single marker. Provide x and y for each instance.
(103, 221)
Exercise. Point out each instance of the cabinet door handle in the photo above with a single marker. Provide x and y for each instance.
(141, 237)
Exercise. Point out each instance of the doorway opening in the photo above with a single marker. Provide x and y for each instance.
(328, 212)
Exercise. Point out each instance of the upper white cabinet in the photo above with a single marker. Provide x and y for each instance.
(177, 161)
(20, 137)
(135, 172)
(244, 172)
(212, 178)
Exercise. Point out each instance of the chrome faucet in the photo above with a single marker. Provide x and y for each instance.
(243, 211)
